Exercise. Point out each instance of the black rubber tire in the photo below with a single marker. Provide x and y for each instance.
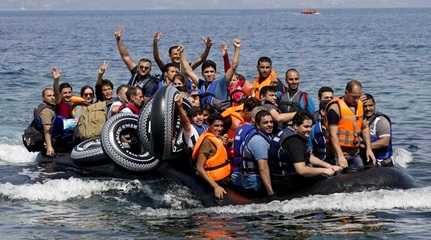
(145, 125)
(89, 152)
(165, 124)
(137, 160)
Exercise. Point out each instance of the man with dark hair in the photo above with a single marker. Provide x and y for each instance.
(135, 100)
(63, 95)
(266, 76)
(269, 102)
(141, 72)
(252, 174)
(103, 86)
(295, 99)
(169, 73)
(319, 138)
(347, 124)
(174, 55)
(213, 91)
(380, 132)
(288, 151)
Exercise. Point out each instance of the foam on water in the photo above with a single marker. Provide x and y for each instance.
(402, 157)
(15, 154)
(417, 198)
(65, 189)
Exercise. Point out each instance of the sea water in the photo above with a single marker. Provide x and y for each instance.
(387, 49)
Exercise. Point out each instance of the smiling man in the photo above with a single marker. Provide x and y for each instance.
(288, 152)
(141, 72)
(252, 174)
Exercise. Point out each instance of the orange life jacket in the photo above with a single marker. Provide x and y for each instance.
(237, 119)
(217, 167)
(266, 82)
(350, 124)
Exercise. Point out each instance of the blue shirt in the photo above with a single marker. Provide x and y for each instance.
(257, 148)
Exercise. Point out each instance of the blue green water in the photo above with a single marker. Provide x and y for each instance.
(387, 49)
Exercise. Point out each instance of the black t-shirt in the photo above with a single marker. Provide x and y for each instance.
(296, 151)
(149, 84)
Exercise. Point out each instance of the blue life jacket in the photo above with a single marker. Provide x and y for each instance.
(278, 159)
(200, 129)
(383, 153)
(319, 141)
(243, 135)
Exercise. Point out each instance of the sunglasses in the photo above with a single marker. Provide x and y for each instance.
(88, 94)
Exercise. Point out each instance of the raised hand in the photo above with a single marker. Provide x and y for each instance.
(237, 42)
(223, 48)
(207, 41)
(119, 33)
(56, 73)
(103, 67)
(157, 36)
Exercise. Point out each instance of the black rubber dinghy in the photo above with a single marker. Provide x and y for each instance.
(89, 152)
(165, 124)
(145, 125)
(291, 187)
(121, 143)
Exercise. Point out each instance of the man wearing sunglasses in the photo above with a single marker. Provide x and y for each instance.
(141, 72)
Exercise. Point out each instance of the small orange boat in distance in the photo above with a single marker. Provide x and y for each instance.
(311, 11)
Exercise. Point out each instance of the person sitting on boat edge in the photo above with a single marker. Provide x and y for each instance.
(141, 72)
(49, 124)
(288, 152)
(319, 137)
(210, 156)
(174, 55)
(294, 98)
(269, 102)
(135, 100)
(214, 92)
(251, 174)
(380, 132)
(346, 123)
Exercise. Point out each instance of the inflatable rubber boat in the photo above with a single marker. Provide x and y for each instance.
(150, 146)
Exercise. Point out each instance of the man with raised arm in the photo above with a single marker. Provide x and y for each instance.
(174, 55)
(103, 86)
(213, 90)
(141, 72)
(347, 124)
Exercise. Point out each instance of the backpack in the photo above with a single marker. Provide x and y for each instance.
(91, 121)
(33, 139)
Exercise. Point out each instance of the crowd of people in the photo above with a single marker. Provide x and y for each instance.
(240, 132)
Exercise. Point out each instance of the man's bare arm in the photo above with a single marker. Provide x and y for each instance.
(122, 49)
(156, 53)
(203, 57)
